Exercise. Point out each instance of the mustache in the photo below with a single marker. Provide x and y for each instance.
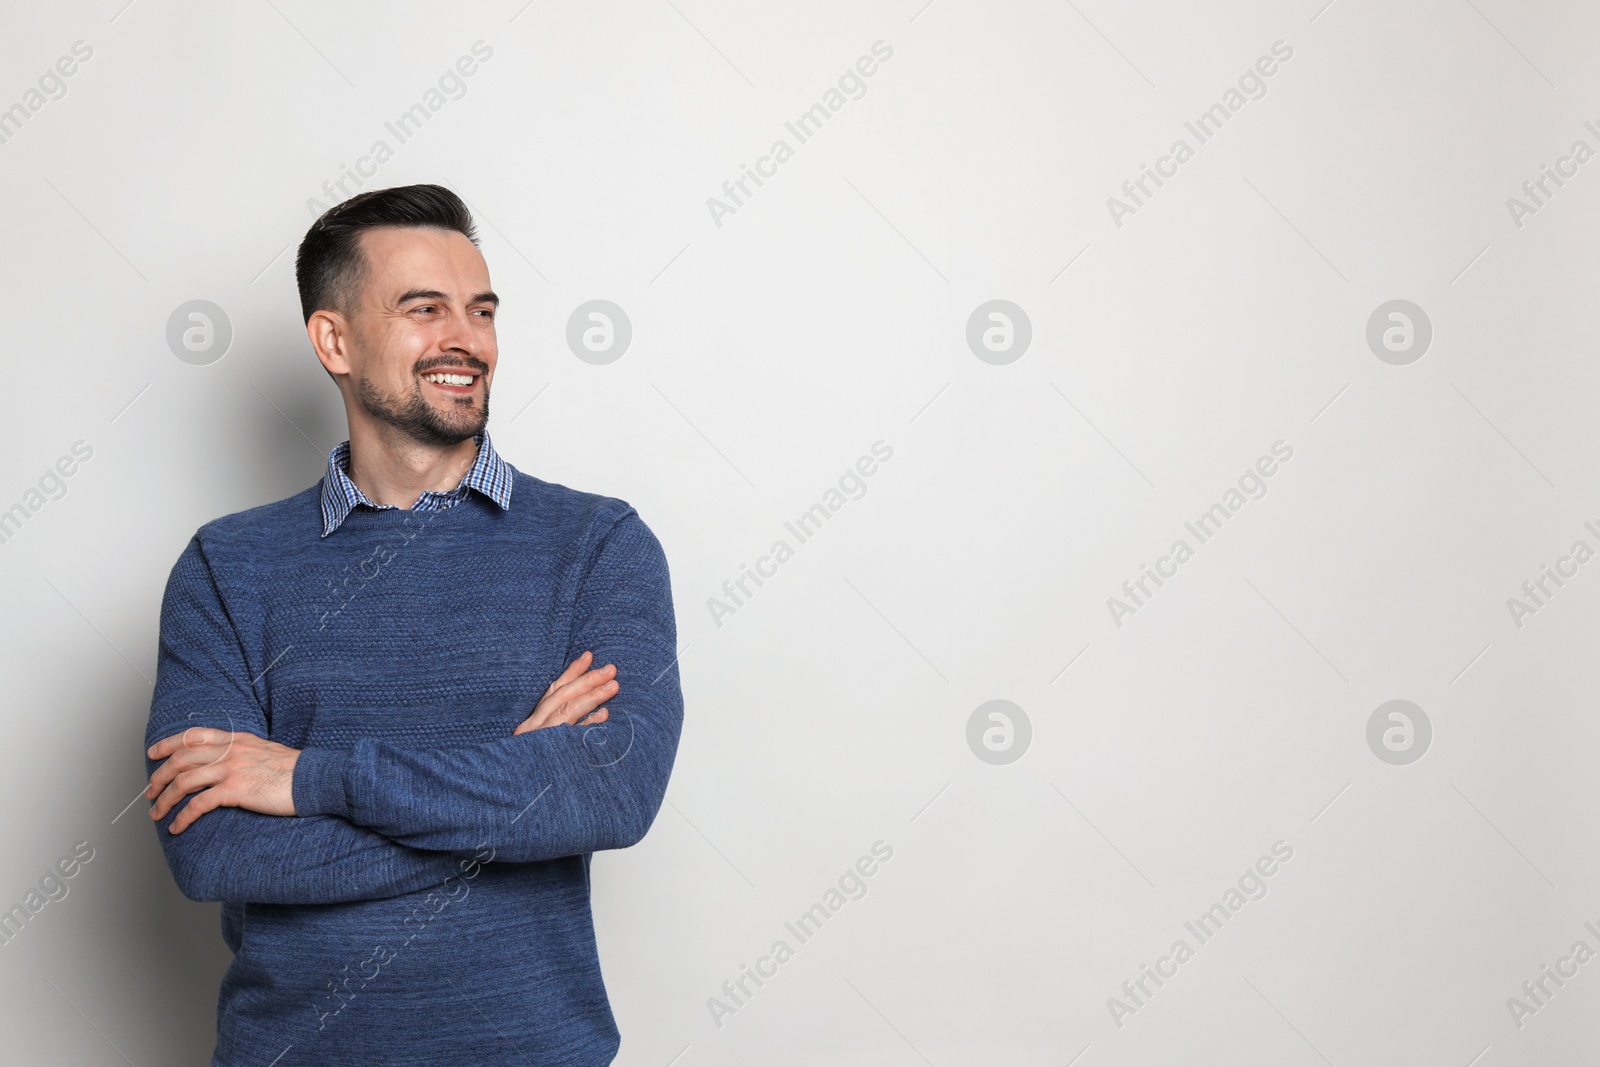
(464, 361)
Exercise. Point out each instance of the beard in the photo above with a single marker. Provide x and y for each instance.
(420, 420)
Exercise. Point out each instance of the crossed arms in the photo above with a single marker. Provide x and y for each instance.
(258, 821)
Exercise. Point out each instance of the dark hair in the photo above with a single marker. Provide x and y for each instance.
(330, 268)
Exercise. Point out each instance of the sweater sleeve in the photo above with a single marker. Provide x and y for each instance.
(202, 679)
(561, 790)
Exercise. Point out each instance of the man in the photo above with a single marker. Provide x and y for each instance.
(354, 742)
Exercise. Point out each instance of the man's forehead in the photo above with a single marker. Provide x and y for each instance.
(406, 258)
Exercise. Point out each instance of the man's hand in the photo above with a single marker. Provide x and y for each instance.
(241, 770)
(223, 769)
(574, 695)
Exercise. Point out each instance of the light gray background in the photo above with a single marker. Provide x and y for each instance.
(768, 354)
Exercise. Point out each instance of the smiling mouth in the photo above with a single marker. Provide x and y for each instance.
(452, 382)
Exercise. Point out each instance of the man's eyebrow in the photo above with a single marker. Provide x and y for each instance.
(434, 294)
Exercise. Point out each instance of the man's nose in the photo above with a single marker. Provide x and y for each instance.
(460, 336)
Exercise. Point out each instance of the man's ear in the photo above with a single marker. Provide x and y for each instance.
(330, 336)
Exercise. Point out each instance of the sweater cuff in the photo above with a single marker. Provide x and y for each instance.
(317, 787)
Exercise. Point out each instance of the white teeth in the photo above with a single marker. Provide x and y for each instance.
(449, 379)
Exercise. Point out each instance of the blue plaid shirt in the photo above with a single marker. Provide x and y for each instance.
(490, 475)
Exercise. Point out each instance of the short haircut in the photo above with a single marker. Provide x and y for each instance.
(330, 268)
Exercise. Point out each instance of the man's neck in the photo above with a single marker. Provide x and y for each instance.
(392, 468)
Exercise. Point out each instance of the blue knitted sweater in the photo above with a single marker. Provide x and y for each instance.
(428, 903)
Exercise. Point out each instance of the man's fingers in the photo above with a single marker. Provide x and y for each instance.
(575, 700)
(572, 710)
(180, 787)
(578, 707)
(209, 800)
(574, 669)
(180, 761)
(584, 684)
(185, 782)
(550, 706)
(598, 717)
(158, 781)
(193, 737)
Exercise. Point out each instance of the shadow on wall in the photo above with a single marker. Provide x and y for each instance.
(291, 416)
(177, 942)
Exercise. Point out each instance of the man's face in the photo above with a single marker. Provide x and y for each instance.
(426, 311)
